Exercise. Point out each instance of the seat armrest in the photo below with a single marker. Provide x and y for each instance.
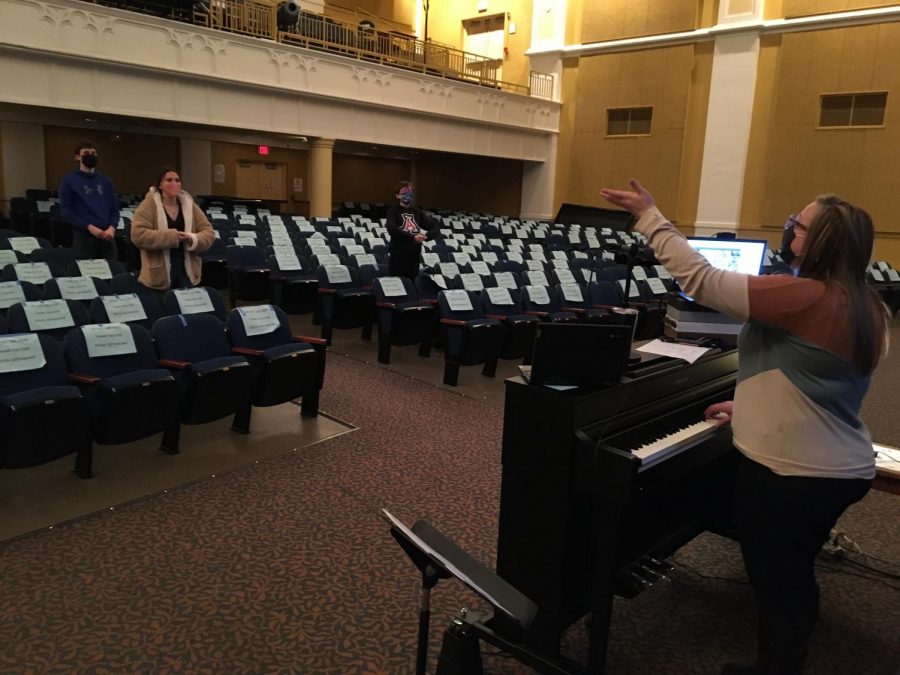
(330, 291)
(533, 313)
(80, 378)
(172, 363)
(385, 305)
(574, 310)
(247, 351)
(453, 322)
(310, 340)
(498, 317)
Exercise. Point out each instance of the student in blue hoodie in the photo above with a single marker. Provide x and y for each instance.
(88, 202)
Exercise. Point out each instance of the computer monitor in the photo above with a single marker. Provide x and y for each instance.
(735, 255)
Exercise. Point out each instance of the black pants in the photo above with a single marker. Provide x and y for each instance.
(783, 521)
(404, 264)
(86, 246)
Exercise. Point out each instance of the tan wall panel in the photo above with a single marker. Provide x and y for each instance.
(470, 183)
(296, 162)
(589, 159)
(760, 145)
(809, 7)
(694, 134)
(791, 160)
(367, 179)
(133, 162)
(617, 19)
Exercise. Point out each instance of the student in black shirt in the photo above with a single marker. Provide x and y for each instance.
(408, 227)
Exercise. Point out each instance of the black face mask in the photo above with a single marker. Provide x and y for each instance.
(785, 251)
(90, 161)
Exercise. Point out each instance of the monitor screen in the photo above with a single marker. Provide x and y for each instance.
(735, 255)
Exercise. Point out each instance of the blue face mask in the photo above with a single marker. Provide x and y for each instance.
(407, 196)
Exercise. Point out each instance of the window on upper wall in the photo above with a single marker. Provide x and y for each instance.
(852, 110)
(628, 121)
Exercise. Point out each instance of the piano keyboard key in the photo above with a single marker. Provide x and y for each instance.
(674, 442)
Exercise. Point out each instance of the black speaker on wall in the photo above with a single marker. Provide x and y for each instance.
(593, 215)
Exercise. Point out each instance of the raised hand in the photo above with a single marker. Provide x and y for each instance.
(637, 200)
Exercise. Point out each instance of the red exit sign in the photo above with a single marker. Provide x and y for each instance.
(263, 149)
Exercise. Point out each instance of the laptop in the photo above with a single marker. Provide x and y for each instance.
(582, 355)
(736, 255)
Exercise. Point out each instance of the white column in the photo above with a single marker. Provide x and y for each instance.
(731, 92)
(320, 168)
(196, 166)
(548, 31)
(23, 160)
(538, 181)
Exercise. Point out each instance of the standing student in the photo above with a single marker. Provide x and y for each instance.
(88, 202)
(171, 231)
(808, 349)
(409, 227)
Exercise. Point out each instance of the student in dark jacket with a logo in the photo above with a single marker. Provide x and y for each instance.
(408, 227)
(88, 202)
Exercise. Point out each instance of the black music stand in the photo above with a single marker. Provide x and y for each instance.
(437, 557)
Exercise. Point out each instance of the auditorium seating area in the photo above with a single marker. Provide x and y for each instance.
(88, 355)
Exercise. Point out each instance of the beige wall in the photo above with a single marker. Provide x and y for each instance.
(663, 78)
(367, 179)
(616, 19)
(481, 184)
(445, 25)
(792, 161)
(133, 161)
(793, 8)
(296, 162)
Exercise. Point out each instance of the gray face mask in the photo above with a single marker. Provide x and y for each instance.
(90, 161)
(785, 251)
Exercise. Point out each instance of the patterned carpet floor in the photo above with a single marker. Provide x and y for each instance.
(286, 566)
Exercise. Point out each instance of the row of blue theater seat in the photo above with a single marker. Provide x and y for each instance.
(193, 369)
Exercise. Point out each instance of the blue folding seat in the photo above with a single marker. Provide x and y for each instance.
(142, 309)
(294, 283)
(604, 294)
(128, 394)
(469, 337)
(286, 367)
(344, 301)
(539, 301)
(126, 283)
(403, 319)
(61, 258)
(429, 285)
(48, 317)
(505, 305)
(199, 300)
(248, 273)
(42, 415)
(573, 297)
(214, 270)
(212, 381)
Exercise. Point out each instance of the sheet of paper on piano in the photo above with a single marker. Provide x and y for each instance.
(677, 350)
(887, 457)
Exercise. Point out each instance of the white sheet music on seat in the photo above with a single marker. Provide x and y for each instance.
(123, 308)
(499, 296)
(193, 300)
(77, 288)
(95, 267)
(392, 287)
(19, 353)
(259, 319)
(47, 314)
(10, 293)
(108, 339)
(458, 300)
(36, 273)
(23, 244)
